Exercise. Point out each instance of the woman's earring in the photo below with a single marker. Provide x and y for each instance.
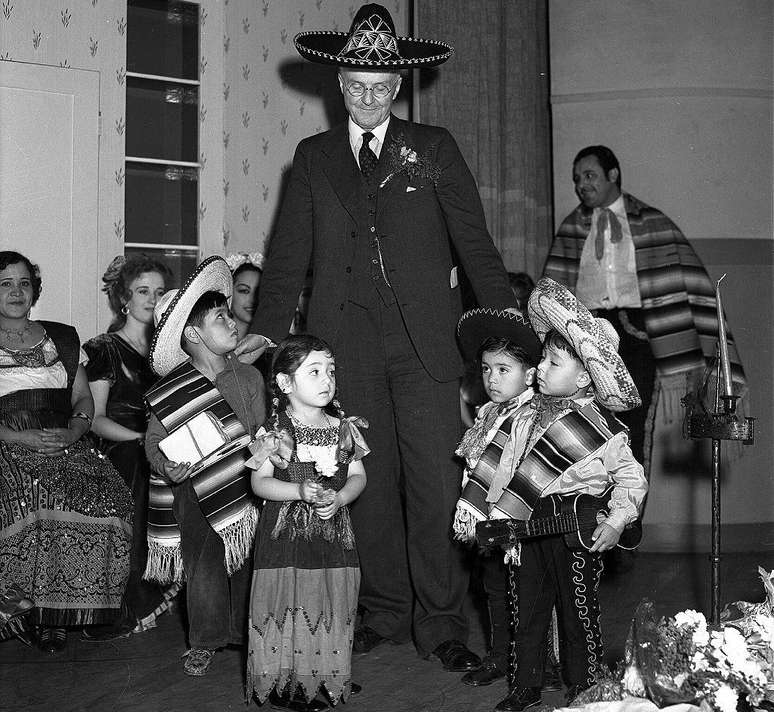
(125, 309)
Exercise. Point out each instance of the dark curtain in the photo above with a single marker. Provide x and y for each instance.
(493, 95)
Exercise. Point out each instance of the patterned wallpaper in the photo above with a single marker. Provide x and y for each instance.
(82, 34)
(272, 100)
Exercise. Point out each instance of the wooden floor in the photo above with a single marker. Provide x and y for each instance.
(144, 672)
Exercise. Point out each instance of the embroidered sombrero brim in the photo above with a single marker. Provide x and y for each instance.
(407, 53)
(553, 306)
(476, 325)
(172, 310)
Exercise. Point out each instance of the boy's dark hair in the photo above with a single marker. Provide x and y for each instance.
(557, 341)
(206, 303)
(512, 349)
(9, 257)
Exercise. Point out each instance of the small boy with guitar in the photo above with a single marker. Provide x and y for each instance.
(574, 492)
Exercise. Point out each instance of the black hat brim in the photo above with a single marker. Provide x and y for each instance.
(324, 47)
(477, 325)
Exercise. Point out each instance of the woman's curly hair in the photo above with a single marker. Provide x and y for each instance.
(120, 274)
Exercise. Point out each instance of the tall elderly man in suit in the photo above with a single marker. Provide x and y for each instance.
(383, 210)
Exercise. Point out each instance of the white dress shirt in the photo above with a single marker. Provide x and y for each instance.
(356, 138)
(611, 282)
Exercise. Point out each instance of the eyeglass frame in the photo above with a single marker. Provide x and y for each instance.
(371, 88)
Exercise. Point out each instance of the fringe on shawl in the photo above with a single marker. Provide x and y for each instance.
(298, 519)
(165, 563)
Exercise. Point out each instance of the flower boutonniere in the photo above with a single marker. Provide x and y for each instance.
(404, 159)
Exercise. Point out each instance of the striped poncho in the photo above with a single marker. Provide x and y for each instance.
(223, 487)
(678, 297)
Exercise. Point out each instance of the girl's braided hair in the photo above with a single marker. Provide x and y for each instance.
(290, 354)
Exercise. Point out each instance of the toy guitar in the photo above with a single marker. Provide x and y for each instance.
(576, 518)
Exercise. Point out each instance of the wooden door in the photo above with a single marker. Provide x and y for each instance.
(49, 197)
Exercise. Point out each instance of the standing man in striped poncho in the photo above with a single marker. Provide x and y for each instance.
(629, 263)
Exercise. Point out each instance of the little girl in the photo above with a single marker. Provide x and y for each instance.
(306, 578)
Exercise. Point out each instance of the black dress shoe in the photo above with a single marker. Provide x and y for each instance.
(355, 689)
(52, 640)
(366, 639)
(521, 698)
(491, 669)
(455, 656)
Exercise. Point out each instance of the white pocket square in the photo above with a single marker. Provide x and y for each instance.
(410, 188)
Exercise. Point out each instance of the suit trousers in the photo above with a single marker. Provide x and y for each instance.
(216, 602)
(412, 570)
(553, 574)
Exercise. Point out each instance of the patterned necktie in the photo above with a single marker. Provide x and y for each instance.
(367, 157)
(616, 234)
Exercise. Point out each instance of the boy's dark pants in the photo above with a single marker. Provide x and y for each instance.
(494, 579)
(551, 573)
(217, 603)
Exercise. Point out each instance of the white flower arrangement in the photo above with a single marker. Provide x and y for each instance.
(683, 659)
(256, 259)
(325, 462)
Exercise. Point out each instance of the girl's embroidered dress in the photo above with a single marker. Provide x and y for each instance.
(305, 583)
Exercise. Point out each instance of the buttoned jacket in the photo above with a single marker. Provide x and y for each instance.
(427, 216)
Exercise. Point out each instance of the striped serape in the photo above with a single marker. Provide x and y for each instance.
(569, 439)
(489, 450)
(223, 488)
(678, 297)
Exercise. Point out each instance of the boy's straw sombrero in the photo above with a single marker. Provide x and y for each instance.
(370, 44)
(476, 325)
(553, 306)
(172, 310)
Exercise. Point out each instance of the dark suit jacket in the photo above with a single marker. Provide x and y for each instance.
(325, 217)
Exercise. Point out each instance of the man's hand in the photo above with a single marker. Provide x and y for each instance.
(249, 349)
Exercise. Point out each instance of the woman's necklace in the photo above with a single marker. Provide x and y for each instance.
(140, 348)
(16, 334)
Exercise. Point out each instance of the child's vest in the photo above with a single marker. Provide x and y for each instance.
(223, 488)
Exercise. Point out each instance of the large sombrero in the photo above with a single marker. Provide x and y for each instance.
(172, 311)
(476, 325)
(553, 306)
(371, 43)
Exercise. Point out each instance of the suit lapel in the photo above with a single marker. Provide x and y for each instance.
(341, 170)
(392, 182)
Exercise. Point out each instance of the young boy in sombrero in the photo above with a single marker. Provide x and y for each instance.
(575, 445)
(202, 521)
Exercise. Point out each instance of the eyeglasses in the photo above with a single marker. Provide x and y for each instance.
(380, 90)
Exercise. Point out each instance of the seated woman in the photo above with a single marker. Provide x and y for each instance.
(119, 374)
(65, 513)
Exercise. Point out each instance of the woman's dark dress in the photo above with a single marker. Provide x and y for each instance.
(113, 360)
(65, 520)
